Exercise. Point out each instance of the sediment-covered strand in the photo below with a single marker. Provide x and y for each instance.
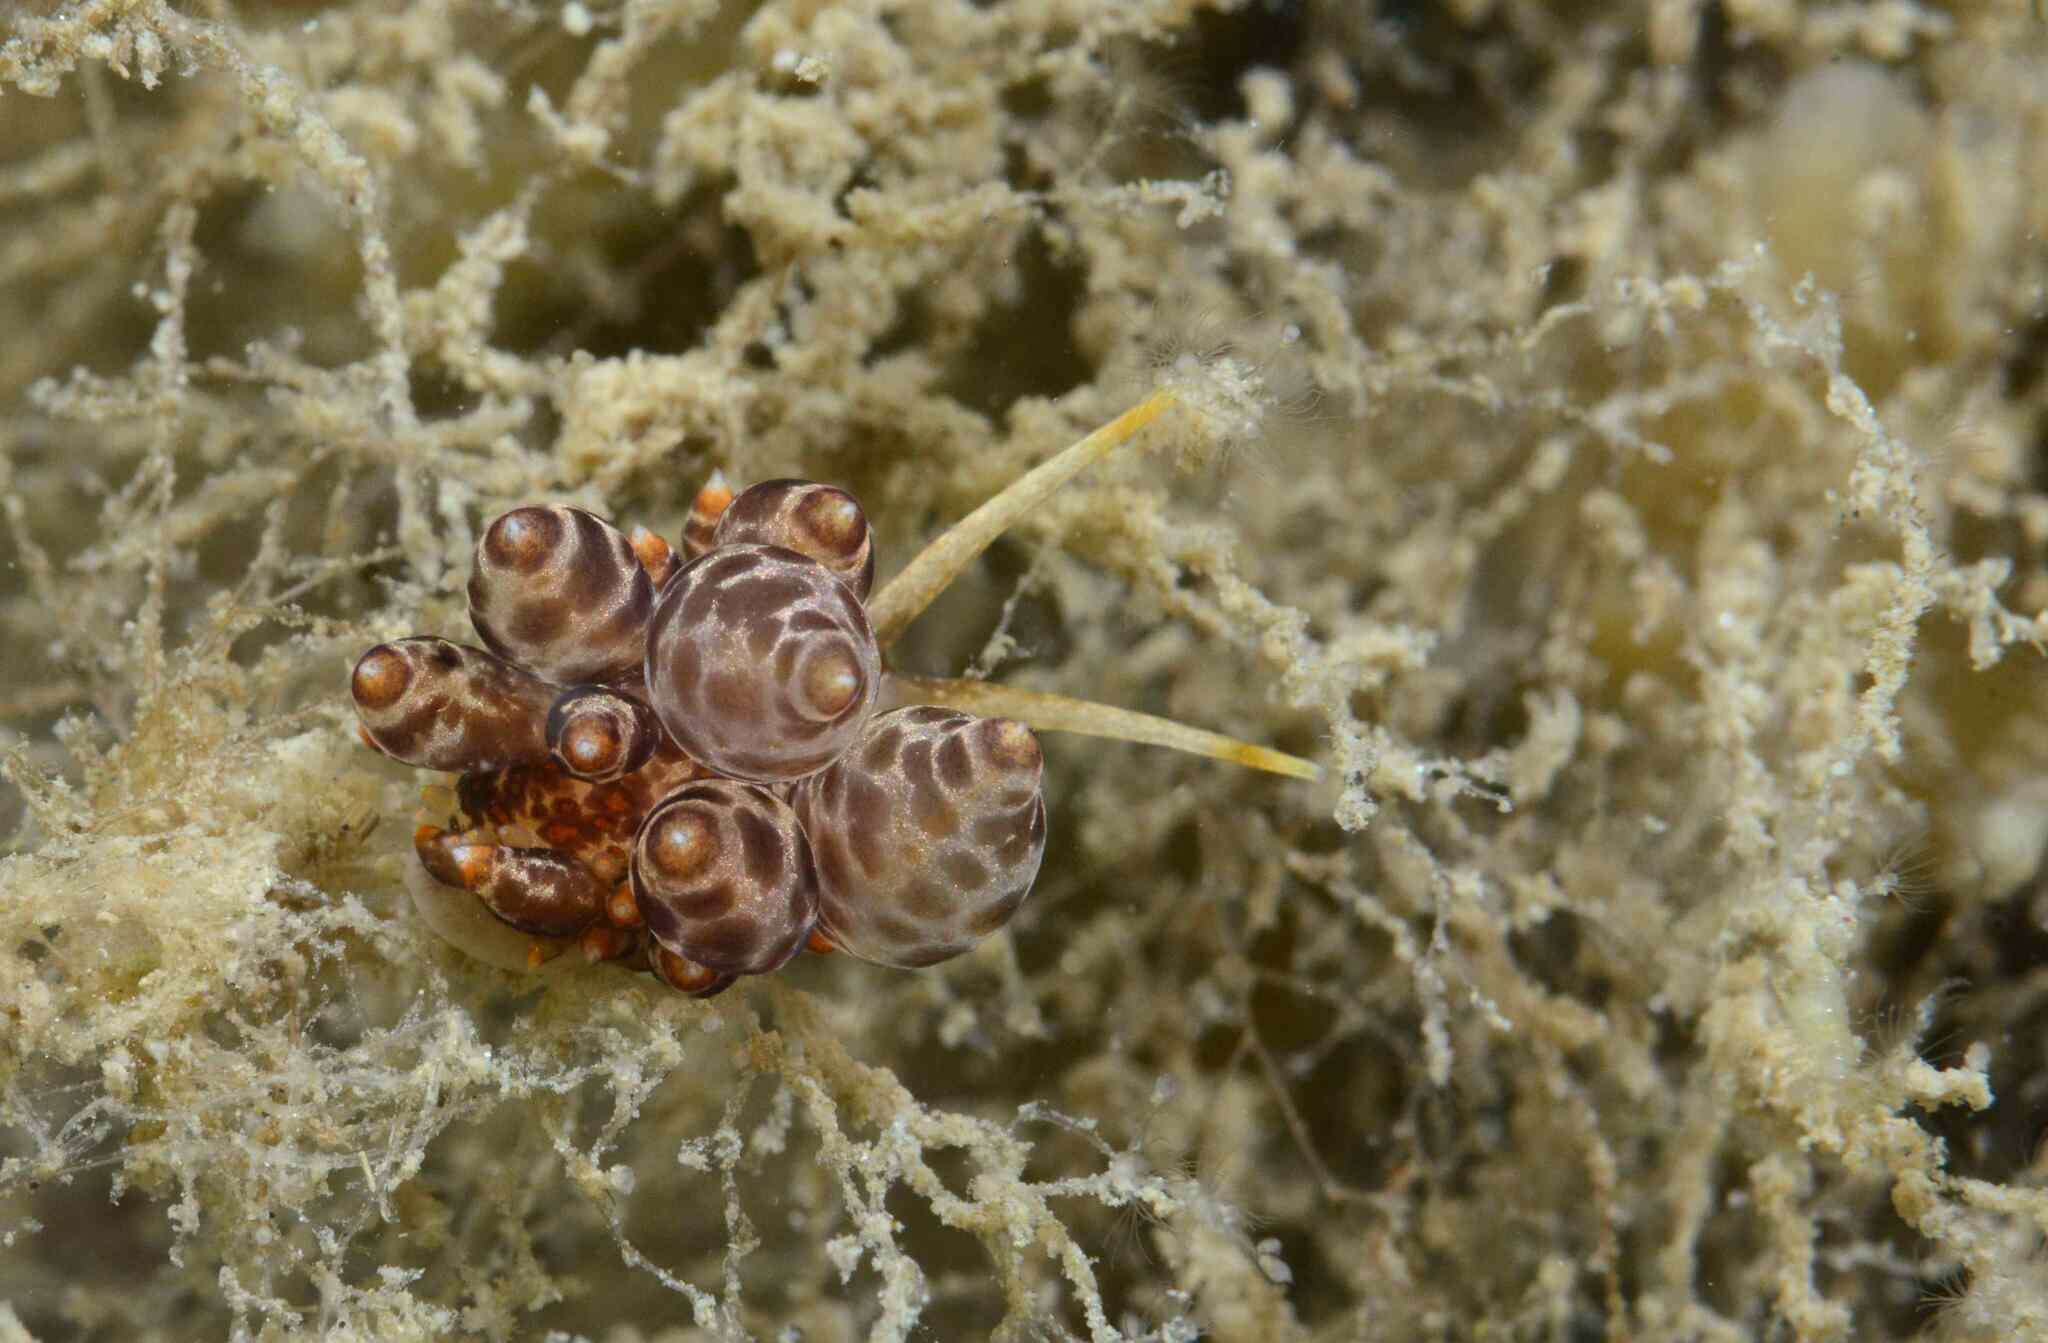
(938, 564)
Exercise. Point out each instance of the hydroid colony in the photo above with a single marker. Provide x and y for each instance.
(1641, 595)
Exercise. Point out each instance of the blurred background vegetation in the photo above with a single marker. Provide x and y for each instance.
(1644, 529)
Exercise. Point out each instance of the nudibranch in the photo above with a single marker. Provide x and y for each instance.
(698, 764)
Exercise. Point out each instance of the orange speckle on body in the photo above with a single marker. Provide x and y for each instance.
(654, 554)
(600, 943)
(713, 499)
(474, 863)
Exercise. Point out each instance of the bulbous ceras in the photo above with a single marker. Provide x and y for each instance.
(760, 663)
(554, 778)
(757, 664)
(928, 833)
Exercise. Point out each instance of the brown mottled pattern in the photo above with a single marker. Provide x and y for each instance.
(439, 705)
(724, 877)
(822, 522)
(928, 834)
(561, 592)
(592, 822)
(761, 664)
(535, 890)
(598, 734)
